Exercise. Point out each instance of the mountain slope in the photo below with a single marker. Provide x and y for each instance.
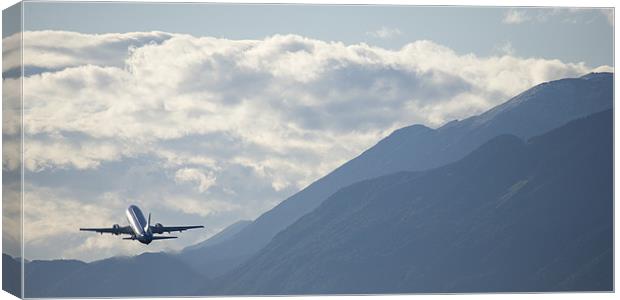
(194, 254)
(509, 217)
(224, 235)
(11, 275)
(42, 276)
(417, 147)
(148, 274)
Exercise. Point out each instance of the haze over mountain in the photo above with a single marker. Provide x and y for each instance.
(147, 274)
(418, 147)
(512, 216)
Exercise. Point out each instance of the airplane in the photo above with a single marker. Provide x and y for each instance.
(139, 228)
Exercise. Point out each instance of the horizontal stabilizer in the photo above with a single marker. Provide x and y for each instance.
(164, 237)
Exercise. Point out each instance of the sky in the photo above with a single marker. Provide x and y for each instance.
(578, 34)
(209, 114)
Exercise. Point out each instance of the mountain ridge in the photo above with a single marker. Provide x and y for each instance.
(512, 216)
(417, 147)
(150, 274)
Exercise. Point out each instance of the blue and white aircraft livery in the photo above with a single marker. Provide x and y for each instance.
(140, 229)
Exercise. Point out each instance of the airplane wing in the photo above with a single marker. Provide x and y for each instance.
(116, 230)
(154, 238)
(162, 229)
(164, 237)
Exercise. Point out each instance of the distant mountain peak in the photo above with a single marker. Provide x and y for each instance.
(412, 129)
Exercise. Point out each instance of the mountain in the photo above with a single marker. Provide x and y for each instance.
(193, 254)
(41, 277)
(221, 236)
(11, 275)
(535, 111)
(512, 216)
(148, 274)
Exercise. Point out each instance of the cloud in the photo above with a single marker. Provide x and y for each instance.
(42, 50)
(384, 33)
(88, 154)
(11, 217)
(514, 16)
(204, 181)
(562, 15)
(210, 130)
(505, 48)
(599, 69)
(271, 105)
(52, 218)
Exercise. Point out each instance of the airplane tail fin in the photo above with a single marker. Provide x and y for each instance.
(148, 224)
(164, 237)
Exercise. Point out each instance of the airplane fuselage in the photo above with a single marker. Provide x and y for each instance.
(139, 225)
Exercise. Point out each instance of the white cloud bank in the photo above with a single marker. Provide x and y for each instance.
(283, 96)
(264, 117)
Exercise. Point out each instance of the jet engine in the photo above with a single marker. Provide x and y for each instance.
(116, 227)
(157, 228)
